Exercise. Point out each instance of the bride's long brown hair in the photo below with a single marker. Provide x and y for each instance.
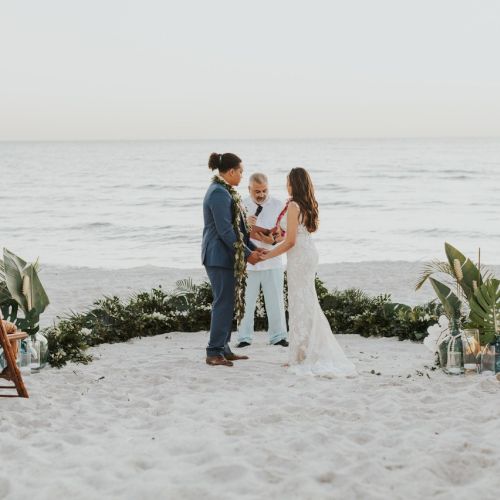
(303, 194)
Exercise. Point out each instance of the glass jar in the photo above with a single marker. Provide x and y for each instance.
(455, 361)
(488, 360)
(24, 356)
(471, 349)
(39, 352)
(497, 354)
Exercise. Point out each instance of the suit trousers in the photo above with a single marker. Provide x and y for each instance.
(223, 287)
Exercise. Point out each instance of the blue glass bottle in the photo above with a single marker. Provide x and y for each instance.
(496, 343)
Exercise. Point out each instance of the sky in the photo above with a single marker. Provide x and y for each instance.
(160, 69)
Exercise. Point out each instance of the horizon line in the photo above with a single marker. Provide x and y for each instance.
(324, 138)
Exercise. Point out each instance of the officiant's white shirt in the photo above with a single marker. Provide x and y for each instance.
(271, 209)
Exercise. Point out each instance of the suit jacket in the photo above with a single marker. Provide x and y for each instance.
(219, 236)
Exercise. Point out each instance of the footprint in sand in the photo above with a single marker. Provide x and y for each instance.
(227, 472)
(4, 487)
(327, 477)
(361, 439)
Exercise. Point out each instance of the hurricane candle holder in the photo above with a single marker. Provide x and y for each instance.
(488, 360)
(39, 352)
(455, 365)
(24, 357)
(471, 349)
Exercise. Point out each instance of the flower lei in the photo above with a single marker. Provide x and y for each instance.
(280, 216)
(240, 265)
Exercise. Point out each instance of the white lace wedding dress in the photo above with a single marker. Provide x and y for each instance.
(313, 348)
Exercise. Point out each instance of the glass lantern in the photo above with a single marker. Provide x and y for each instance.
(39, 352)
(471, 349)
(488, 360)
(455, 362)
(24, 356)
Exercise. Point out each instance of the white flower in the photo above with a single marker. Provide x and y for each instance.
(436, 334)
(157, 315)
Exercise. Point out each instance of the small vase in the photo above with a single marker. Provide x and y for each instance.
(497, 354)
(488, 360)
(455, 362)
(471, 349)
(24, 356)
(39, 352)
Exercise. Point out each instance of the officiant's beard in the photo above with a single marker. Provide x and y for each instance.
(261, 197)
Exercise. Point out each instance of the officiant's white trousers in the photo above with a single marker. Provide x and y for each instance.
(272, 281)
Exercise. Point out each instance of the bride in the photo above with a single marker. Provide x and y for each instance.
(313, 347)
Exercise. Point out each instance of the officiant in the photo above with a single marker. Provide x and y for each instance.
(263, 211)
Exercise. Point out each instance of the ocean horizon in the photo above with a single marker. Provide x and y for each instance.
(123, 204)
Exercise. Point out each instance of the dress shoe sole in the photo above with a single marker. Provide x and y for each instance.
(237, 358)
(219, 363)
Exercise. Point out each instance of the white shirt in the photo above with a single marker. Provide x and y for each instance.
(267, 218)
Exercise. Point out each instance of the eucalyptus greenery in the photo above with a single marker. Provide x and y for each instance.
(188, 308)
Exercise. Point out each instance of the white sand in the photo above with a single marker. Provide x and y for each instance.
(148, 419)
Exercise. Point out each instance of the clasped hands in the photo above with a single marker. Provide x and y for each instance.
(258, 255)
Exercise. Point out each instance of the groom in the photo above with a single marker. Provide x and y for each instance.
(218, 253)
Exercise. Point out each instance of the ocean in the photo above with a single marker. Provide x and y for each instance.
(127, 204)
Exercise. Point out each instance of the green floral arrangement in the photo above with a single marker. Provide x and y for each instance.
(188, 308)
(469, 292)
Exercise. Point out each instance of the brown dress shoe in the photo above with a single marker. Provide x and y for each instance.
(234, 357)
(218, 360)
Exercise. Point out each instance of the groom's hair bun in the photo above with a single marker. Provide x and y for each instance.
(223, 162)
(214, 161)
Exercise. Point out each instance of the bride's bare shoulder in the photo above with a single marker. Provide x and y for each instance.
(294, 205)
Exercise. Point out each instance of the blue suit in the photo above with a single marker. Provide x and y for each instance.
(218, 257)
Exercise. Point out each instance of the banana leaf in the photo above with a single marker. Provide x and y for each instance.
(9, 310)
(485, 310)
(34, 292)
(469, 270)
(4, 291)
(14, 278)
(5, 295)
(450, 301)
(23, 284)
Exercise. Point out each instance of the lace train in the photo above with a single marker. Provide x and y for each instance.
(313, 348)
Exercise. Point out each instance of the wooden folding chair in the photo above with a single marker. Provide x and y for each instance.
(11, 372)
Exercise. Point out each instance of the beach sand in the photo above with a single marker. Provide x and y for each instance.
(149, 419)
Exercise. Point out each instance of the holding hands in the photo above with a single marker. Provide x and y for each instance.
(257, 255)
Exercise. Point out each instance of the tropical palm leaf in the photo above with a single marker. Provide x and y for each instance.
(485, 309)
(464, 270)
(183, 287)
(450, 301)
(14, 278)
(23, 284)
(5, 295)
(430, 268)
(33, 289)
